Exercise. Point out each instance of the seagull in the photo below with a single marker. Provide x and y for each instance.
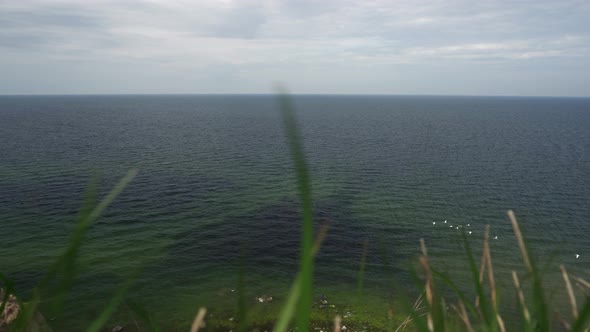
(457, 227)
(496, 237)
(468, 225)
(451, 226)
(445, 221)
(434, 222)
(577, 255)
(470, 232)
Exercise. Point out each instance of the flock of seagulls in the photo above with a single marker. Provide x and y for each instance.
(471, 232)
(458, 227)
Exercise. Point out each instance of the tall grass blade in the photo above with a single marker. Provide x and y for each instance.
(581, 324)
(414, 316)
(289, 307)
(113, 304)
(583, 285)
(66, 262)
(420, 320)
(304, 188)
(483, 263)
(390, 319)
(541, 311)
(465, 317)
(489, 267)
(475, 274)
(525, 311)
(492, 281)
(361, 273)
(431, 316)
(242, 319)
(143, 315)
(462, 297)
(570, 292)
(412, 311)
(88, 216)
(337, 321)
(199, 319)
(67, 265)
(27, 311)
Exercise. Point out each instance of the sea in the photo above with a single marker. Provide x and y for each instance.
(213, 215)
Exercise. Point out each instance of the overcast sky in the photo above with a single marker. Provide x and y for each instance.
(324, 46)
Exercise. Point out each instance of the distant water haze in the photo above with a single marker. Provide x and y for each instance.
(216, 187)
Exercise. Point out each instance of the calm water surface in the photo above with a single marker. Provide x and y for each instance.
(215, 191)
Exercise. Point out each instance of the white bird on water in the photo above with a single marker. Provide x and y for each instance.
(496, 237)
(468, 225)
(470, 232)
(577, 255)
(445, 221)
(434, 222)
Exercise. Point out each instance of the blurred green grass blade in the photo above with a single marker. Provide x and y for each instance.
(384, 260)
(489, 321)
(390, 324)
(289, 307)
(419, 321)
(67, 265)
(455, 290)
(440, 316)
(96, 212)
(115, 301)
(242, 310)
(24, 320)
(361, 273)
(88, 216)
(540, 297)
(581, 324)
(304, 188)
(541, 312)
(143, 315)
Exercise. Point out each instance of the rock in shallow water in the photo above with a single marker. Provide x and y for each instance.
(264, 299)
(11, 309)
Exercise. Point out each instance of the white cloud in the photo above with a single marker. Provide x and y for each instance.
(237, 38)
(566, 46)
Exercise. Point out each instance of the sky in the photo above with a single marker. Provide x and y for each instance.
(530, 48)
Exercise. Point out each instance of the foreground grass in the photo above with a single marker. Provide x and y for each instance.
(442, 305)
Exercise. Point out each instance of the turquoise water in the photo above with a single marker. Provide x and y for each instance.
(215, 190)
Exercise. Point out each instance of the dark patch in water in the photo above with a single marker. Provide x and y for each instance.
(269, 240)
(164, 194)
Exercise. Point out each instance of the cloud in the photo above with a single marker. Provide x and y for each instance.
(283, 39)
(565, 46)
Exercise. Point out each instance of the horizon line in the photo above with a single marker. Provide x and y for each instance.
(274, 94)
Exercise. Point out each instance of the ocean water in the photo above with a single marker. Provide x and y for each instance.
(216, 193)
